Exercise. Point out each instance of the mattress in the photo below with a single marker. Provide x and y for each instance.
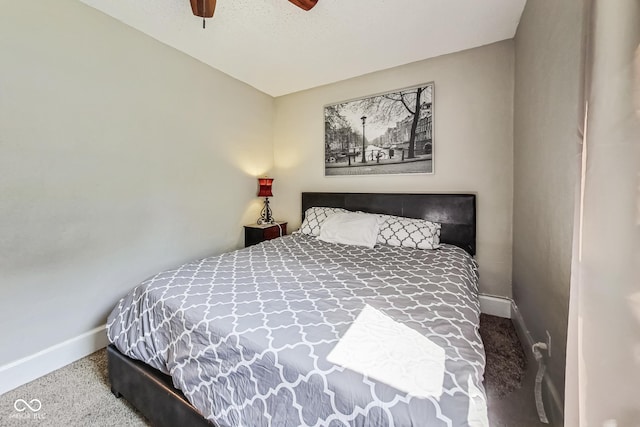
(299, 332)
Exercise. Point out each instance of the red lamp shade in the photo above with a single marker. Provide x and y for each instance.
(265, 187)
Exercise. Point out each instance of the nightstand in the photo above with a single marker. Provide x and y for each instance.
(256, 233)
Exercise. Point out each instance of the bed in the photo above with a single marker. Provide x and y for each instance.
(295, 331)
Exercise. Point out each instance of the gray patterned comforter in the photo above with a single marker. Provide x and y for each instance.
(295, 331)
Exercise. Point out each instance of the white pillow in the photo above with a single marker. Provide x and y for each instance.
(351, 228)
(409, 232)
(315, 217)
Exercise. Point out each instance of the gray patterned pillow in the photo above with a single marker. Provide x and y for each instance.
(409, 233)
(315, 217)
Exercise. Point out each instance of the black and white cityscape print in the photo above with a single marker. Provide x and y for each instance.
(391, 133)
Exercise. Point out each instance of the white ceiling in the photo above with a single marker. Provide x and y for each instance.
(278, 48)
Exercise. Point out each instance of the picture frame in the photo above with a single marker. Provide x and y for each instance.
(384, 134)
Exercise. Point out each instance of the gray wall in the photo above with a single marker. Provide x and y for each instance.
(119, 156)
(548, 50)
(473, 145)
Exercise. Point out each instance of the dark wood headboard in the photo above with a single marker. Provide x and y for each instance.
(456, 212)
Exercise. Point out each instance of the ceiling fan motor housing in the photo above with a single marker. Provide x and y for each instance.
(304, 4)
(203, 8)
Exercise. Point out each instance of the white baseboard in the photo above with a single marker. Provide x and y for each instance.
(495, 306)
(22, 371)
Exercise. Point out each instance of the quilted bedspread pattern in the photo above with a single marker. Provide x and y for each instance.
(299, 332)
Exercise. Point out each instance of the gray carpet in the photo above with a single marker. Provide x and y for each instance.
(79, 394)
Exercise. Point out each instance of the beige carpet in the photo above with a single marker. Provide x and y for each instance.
(76, 395)
(506, 362)
(79, 394)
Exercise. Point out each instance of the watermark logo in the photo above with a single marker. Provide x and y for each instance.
(21, 405)
(28, 410)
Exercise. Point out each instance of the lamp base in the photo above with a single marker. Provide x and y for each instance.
(266, 216)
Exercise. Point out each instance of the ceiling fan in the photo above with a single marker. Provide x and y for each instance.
(205, 8)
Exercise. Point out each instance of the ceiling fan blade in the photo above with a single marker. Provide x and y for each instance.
(304, 4)
(203, 8)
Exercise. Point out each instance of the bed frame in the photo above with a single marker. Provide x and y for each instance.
(152, 392)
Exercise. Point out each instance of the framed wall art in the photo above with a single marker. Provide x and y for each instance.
(389, 133)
